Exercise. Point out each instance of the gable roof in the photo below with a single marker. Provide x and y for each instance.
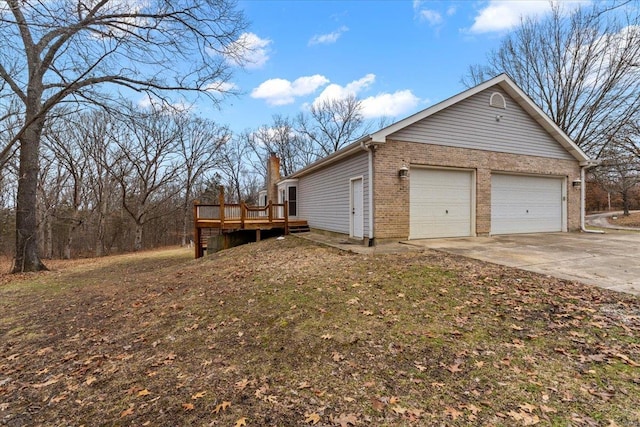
(503, 80)
(517, 94)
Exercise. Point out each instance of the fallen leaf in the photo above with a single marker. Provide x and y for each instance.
(312, 418)
(326, 336)
(470, 407)
(526, 418)
(49, 382)
(198, 395)
(626, 359)
(188, 406)
(377, 404)
(59, 398)
(547, 409)
(399, 410)
(221, 407)
(241, 422)
(144, 392)
(90, 380)
(527, 407)
(345, 419)
(453, 413)
(127, 412)
(337, 356)
(242, 384)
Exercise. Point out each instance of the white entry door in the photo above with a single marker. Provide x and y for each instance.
(357, 214)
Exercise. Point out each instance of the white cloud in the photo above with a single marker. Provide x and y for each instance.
(221, 86)
(503, 15)
(282, 92)
(389, 104)
(249, 50)
(328, 38)
(431, 16)
(335, 91)
(381, 105)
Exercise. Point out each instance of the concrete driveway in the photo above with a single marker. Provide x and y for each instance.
(611, 260)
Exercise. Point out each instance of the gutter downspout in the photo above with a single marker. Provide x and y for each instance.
(369, 151)
(583, 192)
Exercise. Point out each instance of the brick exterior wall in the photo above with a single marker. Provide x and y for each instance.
(391, 210)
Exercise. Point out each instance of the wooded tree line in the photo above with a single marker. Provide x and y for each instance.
(84, 172)
(125, 179)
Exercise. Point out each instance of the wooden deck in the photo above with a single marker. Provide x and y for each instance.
(217, 219)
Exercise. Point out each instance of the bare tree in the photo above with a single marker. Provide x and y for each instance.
(99, 149)
(619, 172)
(65, 51)
(146, 164)
(53, 179)
(581, 67)
(66, 138)
(279, 137)
(199, 150)
(332, 124)
(233, 167)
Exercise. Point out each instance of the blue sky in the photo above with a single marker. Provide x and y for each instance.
(397, 56)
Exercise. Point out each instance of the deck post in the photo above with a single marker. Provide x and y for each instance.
(243, 214)
(286, 217)
(196, 230)
(257, 234)
(221, 202)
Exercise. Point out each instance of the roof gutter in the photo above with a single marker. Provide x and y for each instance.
(583, 192)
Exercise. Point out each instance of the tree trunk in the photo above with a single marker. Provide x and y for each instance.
(27, 258)
(48, 237)
(102, 225)
(137, 243)
(185, 223)
(67, 246)
(625, 202)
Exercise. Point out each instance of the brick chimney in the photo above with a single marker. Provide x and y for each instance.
(273, 176)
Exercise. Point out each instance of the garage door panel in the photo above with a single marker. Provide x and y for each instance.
(525, 204)
(440, 203)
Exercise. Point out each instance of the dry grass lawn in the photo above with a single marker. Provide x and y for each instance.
(632, 220)
(288, 333)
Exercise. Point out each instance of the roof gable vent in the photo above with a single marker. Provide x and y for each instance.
(497, 101)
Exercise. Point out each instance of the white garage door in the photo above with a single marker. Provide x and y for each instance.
(526, 204)
(440, 203)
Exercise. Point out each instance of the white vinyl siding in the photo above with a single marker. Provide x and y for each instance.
(472, 123)
(526, 204)
(323, 196)
(440, 203)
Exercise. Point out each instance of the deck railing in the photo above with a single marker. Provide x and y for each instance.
(238, 216)
(233, 212)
